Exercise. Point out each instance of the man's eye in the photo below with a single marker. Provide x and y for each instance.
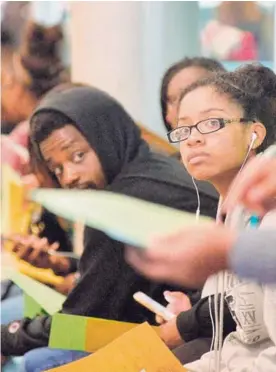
(78, 156)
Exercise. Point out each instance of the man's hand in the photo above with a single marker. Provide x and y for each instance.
(68, 284)
(254, 187)
(30, 181)
(187, 257)
(35, 251)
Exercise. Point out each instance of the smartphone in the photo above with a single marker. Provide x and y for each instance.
(153, 306)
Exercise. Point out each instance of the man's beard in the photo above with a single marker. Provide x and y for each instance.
(87, 186)
(92, 186)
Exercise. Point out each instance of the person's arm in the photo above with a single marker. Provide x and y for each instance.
(34, 250)
(196, 322)
(19, 337)
(255, 186)
(187, 257)
(260, 245)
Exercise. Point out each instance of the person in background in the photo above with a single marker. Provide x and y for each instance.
(45, 231)
(27, 75)
(231, 36)
(31, 72)
(14, 15)
(177, 78)
(223, 120)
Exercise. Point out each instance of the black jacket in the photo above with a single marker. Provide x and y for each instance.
(196, 322)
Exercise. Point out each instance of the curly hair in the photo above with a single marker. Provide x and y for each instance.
(251, 86)
(39, 60)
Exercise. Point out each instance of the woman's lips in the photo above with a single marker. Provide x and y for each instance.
(197, 158)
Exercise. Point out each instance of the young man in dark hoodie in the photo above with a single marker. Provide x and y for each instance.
(85, 139)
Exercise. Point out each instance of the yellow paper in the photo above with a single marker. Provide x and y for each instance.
(139, 350)
(9, 178)
(45, 276)
(15, 211)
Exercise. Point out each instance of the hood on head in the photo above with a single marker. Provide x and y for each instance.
(108, 128)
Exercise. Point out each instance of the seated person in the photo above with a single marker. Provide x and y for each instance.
(45, 230)
(188, 329)
(245, 99)
(86, 140)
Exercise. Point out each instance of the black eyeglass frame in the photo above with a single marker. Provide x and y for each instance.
(222, 123)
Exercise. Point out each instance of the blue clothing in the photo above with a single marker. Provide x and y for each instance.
(12, 307)
(254, 255)
(12, 365)
(44, 358)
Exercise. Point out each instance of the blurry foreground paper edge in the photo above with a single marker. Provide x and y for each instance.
(124, 218)
(48, 299)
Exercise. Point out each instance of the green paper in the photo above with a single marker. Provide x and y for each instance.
(48, 299)
(68, 332)
(31, 307)
(124, 218)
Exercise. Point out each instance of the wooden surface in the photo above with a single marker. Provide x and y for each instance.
(156, 142)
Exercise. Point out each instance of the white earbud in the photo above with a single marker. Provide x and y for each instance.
(254, 137)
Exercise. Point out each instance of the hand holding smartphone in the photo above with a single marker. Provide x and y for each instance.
(153, 306)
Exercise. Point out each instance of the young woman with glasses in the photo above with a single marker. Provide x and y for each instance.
(223, 121)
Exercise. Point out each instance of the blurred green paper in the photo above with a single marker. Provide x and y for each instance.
(32, 307)
(124, 218)
(38, 297)
(68, 332)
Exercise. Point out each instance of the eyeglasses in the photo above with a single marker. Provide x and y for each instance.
(204, 127)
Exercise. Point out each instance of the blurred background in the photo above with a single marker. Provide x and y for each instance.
(125, 47)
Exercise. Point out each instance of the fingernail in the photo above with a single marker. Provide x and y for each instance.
(168, 297)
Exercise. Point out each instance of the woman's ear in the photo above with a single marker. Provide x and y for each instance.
(258, 131)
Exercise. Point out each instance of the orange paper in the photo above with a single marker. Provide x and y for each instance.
(139, 350)
(100, 332)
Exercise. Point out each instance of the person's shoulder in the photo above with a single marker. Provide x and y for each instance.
(178, 171)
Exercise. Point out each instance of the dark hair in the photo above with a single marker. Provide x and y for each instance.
(208, 64)
(253, 87)
(44, 123)
(40, 60)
